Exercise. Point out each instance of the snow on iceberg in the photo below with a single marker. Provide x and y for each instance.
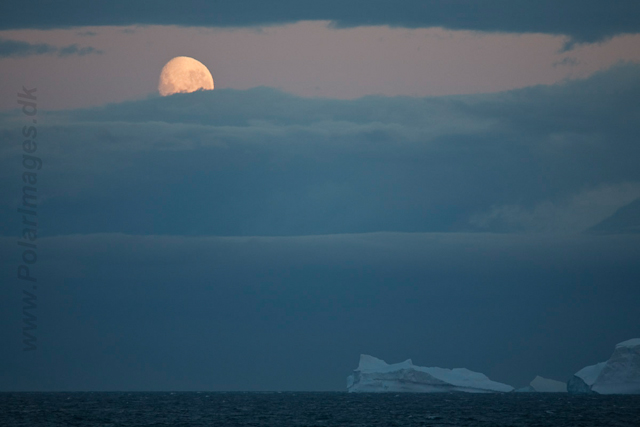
(544, 385)
(375, 375)
(618, 375)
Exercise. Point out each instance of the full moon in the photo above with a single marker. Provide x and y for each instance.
(182, 75)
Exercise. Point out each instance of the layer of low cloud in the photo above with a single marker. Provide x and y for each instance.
(18, 49)
(118, 312)
(553, 159)
(582, 21)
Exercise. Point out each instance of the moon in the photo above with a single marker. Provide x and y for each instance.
(183, 75)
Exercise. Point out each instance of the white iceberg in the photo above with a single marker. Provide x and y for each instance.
(375, 375)
(618, 375)
(544, 385)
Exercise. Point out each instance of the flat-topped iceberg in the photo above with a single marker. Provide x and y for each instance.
(375, 375)
(544, 385)
(618, 375)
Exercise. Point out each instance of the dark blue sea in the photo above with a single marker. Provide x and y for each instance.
(315, 409)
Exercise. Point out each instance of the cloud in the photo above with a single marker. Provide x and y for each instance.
(15, 49)
(582, 21)
(80, 51)
(567, 61)
(262, 162)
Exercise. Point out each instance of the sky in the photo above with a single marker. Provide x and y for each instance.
(446, 181)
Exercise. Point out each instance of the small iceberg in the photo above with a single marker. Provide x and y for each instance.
(544, 385)
(375, 375)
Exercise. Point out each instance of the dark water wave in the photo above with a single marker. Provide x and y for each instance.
(315, 409)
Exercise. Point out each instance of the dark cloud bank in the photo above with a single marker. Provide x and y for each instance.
(582, 21)
(121, 312)
(494, 232)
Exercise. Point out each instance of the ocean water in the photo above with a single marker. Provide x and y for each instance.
(315, 409)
